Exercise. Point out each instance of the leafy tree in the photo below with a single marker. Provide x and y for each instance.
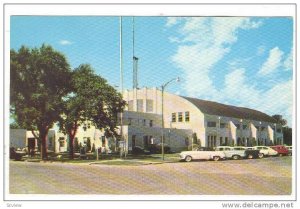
(39, 81)
(91, 101)
(287, 135)
(279, 119)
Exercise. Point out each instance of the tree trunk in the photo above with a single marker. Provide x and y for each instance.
(43, 137)
(72, 134)
(71, 144)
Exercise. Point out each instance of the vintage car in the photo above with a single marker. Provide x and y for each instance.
(266, 151)
(250, 153)
(290, 148)
(232, 152)
(202, 153)
(282, 150)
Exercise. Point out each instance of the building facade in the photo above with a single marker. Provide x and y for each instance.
(186, 121)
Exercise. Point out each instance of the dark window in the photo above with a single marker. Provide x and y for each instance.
(262, 128)
(180, 117)
(173, 117)
(151, 123)
(222, 125)
(129, 121)
(103, 141)
(278, 130)
(211, 124)
(144, 122)
(245, 127)
(257, 127)
(238, 126)
(61, 141)
(187, 116)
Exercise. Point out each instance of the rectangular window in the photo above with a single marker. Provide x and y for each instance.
(262, 128)
(130, 105)
(238, 126)
(257, 127)
(61, 142)
(149, 105)
(151, 123)
(222, 125)
(144, 122)
(140, 105)
(180, 117)
(187, 116)
(278, 130)
(211, 124)
(245, 127)
(173, 117)
(129, 121)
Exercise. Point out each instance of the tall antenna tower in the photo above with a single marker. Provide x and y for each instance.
(134, 61)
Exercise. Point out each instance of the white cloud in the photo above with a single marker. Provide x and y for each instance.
(172, 21)
(205, 42)
(272, 63)
(65, 42)
(288, 62)
(276, 100)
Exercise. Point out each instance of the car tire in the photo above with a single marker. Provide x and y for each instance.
(236, 157)
(250, 156)
(188, 158)
(216, 158)
(261, 155)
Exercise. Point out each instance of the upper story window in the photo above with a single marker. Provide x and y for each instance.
(262, 128)
(140, 105)
(144, 122)
(173, 117)
(130, 105)
(211, 124)
(129, 121)
(149, 105)
(245, 127)
(151, 123)
(180, 117)
(222, 125)
(238, 126)
(187, 116)
(278, 130)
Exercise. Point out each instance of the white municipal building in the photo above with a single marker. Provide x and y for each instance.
(211, 123)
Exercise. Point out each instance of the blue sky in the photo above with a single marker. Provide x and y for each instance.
(233, 60)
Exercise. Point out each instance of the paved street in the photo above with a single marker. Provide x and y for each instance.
(270, 176)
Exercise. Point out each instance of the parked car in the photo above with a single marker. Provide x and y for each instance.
(249, 152)
(202, 153)
(156, 148)
(282, 150)
(290, 148)
(231, 152)
(137, 150)
(266, 151)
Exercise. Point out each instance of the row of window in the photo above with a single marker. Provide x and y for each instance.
(178, 117)
(212, 124)
(140, 105)
(144, 122)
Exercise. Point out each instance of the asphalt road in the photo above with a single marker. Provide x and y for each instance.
(269, 176)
